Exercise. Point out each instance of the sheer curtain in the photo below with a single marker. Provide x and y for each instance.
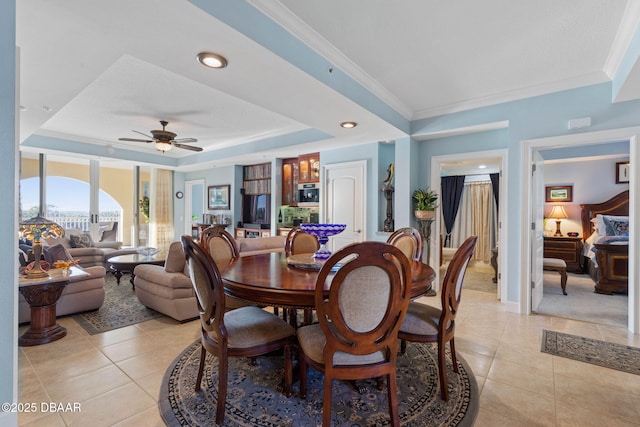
(477, 216)
(161, 209)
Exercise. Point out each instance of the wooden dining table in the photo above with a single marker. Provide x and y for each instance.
(269, 280)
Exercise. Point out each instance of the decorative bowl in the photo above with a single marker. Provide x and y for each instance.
(148, 251)
(322, 232)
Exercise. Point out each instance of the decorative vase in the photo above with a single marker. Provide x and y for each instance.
(322, 232)
(424, 215)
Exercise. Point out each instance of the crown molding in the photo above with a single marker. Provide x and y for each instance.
(624, 36)
(286, 19)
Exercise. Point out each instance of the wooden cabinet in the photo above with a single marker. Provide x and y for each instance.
(309, 168)
(251, 233)
(290, 181)
(568, 249)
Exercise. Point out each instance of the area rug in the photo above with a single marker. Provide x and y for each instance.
(120, 308)
(478, 277)
(601, 353)
(253, 399)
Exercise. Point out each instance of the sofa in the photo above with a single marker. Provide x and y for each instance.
(249, 246)
(81, 294)
(168, 290)
(87, 252)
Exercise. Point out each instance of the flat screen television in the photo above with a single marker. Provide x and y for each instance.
(256, 209)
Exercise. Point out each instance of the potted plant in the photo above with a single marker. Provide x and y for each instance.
(426, 203)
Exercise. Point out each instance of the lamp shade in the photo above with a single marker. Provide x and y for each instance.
(38, 227)
(558, 212)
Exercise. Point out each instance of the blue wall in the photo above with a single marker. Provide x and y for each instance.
(8, 212)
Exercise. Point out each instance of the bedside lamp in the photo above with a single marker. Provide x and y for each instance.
(35, 229)
(558, 213)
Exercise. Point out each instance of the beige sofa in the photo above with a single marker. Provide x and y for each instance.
(81, 294)
(168, 289)
(248, 246)
(94, 255)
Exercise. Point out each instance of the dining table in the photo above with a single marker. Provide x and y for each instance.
(271, 279)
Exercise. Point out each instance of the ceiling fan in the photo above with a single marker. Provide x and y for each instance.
(164, 139)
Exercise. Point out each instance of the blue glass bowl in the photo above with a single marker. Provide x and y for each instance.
(322, 232)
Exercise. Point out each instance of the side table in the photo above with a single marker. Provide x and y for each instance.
(42, 296)
(127, 263)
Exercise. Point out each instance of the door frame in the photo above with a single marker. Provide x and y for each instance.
(324, 199)
(188, 198)
(631, 134)
(503, 253)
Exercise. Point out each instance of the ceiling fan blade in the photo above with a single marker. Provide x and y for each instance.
(187, 147)
(143, 134)
(182, 140)
(134, 140)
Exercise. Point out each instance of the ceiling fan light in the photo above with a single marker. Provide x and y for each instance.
(163, 146)
(212, 60)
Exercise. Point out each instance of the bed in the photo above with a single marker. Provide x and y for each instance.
(606, 247)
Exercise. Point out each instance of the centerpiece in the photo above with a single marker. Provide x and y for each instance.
(322, 232)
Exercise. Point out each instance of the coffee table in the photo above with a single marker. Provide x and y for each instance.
(42, 295)
(127, 263)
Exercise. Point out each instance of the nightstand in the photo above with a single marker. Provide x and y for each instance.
(568, 249)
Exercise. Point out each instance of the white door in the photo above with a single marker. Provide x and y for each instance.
(345, 191)
(537, 230)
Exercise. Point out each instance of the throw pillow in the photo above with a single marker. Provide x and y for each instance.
(81, 241)
(57, 253)
(616, 225)
(175, 261)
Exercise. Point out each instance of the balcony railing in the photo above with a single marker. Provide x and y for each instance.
(80, 220)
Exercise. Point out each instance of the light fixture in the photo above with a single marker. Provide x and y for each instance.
(35, 229)
(348, 125)
(558, 213)
(482, 166)
(212, 60)
(163, 146)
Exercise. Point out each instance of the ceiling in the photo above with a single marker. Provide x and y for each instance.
(91, 73)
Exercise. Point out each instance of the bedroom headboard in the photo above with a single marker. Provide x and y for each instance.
(617, 205)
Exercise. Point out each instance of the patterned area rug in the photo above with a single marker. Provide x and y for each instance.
(602, 353)
(121, 308)
(253, 399)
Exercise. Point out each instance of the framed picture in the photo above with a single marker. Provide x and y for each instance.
(559, 193)
(218, 196)
(622, 173)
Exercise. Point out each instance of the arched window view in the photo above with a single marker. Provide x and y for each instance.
(66, 203)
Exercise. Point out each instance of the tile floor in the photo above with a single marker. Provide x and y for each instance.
(116, 376)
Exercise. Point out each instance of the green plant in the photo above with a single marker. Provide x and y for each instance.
(425, 199)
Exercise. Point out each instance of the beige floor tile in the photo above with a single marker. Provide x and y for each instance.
(48, 420)
(479, 363)
(151, 383)
(111, 407)
(570, 416)
(523, 406)
(148, 363)
(71, 366)
(609, 402)
(148, 418)
(87, 385)
(524, 377)
(525, 355)
(115, 336)
(488, 418)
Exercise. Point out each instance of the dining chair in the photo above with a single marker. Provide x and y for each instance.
(223, 249)
(359, 316)
(425, 323)
(409, 240)
(243, 332)
(300, 242)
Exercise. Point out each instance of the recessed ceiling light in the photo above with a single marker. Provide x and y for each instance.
(482, 166)
(212, 60)
(348, 125)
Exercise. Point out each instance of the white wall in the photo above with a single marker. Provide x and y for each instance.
(593, 181)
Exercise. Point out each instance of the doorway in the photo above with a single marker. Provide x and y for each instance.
(194, 202)
(529, 151)
(345, 201)
(442, 164)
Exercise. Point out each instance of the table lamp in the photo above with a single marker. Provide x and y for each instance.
(558, 213)
(35, 229)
